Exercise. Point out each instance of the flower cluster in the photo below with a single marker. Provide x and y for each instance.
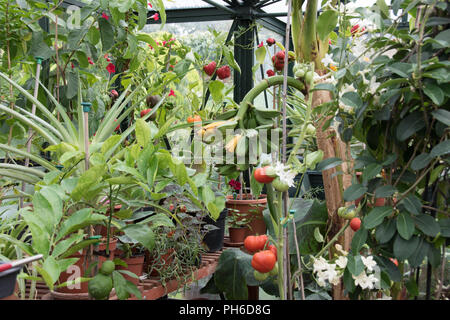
(236, 185)
(332, 271)
(285, 174)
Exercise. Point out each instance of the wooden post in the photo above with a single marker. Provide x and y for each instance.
(332, 146)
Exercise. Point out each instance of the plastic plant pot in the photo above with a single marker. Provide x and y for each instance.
(8, 281)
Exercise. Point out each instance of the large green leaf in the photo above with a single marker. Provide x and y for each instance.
(231, 272)
(355, 264)
(442, 115)
(385, 231)
(308, 215)
(326, 23)
(141, 233)
(419, 254)
(359, 239)
(355, 191)
(410, 125)
(106, 34)
(443, 148)
(434, 93)
(87, 180)
(405, 225)
(405, 248)
(427, 224)
(143, 133)
(376, 216)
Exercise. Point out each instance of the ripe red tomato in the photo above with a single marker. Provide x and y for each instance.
(273, 249)
(355, 224)
(261, 175)
(255, 243)
(263, 261)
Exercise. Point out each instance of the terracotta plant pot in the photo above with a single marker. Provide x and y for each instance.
(237, 235)
(253, 208)
(164, 260)
(79, 268)
(135, 265)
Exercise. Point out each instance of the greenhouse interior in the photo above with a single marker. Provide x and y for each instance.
(224, 150)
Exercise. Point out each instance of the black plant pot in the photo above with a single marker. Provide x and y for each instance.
(8, 281)
(214, 238)
(314, 180)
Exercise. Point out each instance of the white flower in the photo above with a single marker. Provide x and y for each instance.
(340, 250)
(327, 60)
(284, 174)
(364, 281)
(368, 262)
(341, 262)
(320, 264)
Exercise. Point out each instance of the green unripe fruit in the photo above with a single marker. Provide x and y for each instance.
(270, 171)
(260, 276)
(279, 185)
(100, 287)
(300, 73)
(346, 213)
(309, 76)
(274, 271)
(107, 267)
(310, 129)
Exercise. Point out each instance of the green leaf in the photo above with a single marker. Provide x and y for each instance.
(442, 115)
(376, 216)
(326, 23)
(75, 221)
(405, 225)
(359, 239)
(405, 248)
(62, 246)
(352, 99)
(231, 273)
(106, 34)
(401, 69)
(52, 269)
(110, 143)
(260, 54)
(355, 264)
(443, 148)
(230, 58)
(389, 267)
(412, 204)
(46, 276)
(385, 231)
(421, 161)
(141, 233)
(412, 288)
(328, 164)
(427, 224)
(418, 255)
(216, 88)
(434, 93)
(444, 225)
(72, 84)
(371, 171)
(120, 285)
(355, 191)
(88, 179)
(317, 235)
(385, 191)
(308, 215)
(410, 125)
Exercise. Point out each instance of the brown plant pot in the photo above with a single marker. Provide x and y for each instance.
(166, 259)
(237, 235)
(253, 208)
(135, 265)
(80, 268)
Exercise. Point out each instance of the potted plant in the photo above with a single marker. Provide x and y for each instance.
(130, 256)
(238, 226)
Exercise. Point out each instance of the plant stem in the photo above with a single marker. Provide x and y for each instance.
(334, 239)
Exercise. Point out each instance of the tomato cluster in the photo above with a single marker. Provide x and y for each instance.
(265, 256)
